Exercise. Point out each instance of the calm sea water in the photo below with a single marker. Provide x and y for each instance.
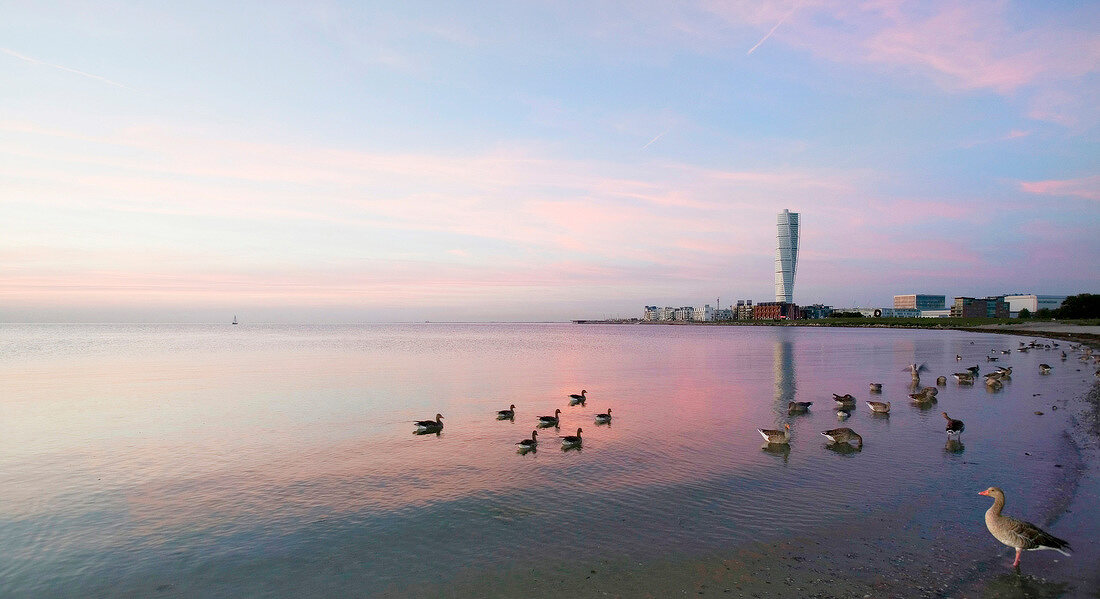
(278, 460)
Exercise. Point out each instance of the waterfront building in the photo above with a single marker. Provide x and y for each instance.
(986, 307)
(667, 313)
(651, 313)
(1032, 303)
(935, 313)
(743, 310)
(683, 313)
(816, 311)
(704, 314)
(919, 301)
(775, 311)
(786, 255)
(724, 314)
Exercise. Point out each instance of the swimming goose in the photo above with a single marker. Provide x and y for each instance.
(843, 413)
(1063, 356)
(508, 414)
(776, 436)
(954, 427)
(923, 395)
(844, 400)
(798, 407)
(994, 384)
(572, 440)
(604, 418)
(878, 407)
(964, 378)
(941, 381)
(575, 399)
(973, 370)
(958, 358)
(1018, 534)
(1044, 369)
(876, 387)
(430, 425)
(529, 443)
(550, 420)
(842, 435)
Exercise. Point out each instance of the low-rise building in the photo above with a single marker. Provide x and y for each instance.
(1032, 303)
(986, 307)
(775, 311)
(918, 301)
(743, 311)
(651, 314)
(816, 311)
(935, 313)
(704, 314)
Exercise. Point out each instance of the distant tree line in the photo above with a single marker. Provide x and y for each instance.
(1082, 305)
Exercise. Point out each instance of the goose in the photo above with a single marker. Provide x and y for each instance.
(923, 396)
(572, 440)
(844, 400)
(798, 407)
(575, 399)
(1005, 370)
(604, 418)
(994, 384)
(778, 437)
(941, 381)
(954, 427)
(550, 420)
(1018, 534)
(1044, 369)
(529, 443)
(876, 387)
(842, 435)
(1006, 351)
(878, 407)
(843, 414)
(430, 425)
(964, 378)
(973, 370)
(915, 370)
(508, 414)
(991, 358)
(1064, 356)
(958, 358)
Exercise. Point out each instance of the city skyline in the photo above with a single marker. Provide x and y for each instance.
(346, 163)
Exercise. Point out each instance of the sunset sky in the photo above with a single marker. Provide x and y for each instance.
(404, 161)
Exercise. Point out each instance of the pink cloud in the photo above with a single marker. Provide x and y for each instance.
(1085, 187)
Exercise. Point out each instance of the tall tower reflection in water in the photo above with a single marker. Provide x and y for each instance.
(784, 376)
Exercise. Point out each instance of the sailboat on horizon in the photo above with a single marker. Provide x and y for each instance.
(234, 319)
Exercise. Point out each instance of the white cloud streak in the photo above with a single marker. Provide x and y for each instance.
(765, 38)
(32, 60)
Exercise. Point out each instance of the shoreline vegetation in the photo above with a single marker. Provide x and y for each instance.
(1086, 330)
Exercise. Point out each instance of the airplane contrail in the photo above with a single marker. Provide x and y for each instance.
(765, 38)
(63, 68)
(659, 136)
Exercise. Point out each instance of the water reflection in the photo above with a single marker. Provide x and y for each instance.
(782, 450)
(783, 365)
(954, 446)
(1017, 586)
(844, 449)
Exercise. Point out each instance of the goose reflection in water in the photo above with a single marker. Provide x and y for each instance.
(843, 449)
(1026, 587)
(954, 446)
(782, 450)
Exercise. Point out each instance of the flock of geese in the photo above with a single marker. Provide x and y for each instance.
(527, 445)
(1018, 534)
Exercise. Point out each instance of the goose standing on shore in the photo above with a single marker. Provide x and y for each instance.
(843, 435)
(550, 420)
(604, 418)
(430, 425)
(508, 414)
(575, 399)
(571, 440)
(1021, 536)
(954, 427)
(777, 437)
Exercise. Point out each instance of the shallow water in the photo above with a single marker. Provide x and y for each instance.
(276, 460)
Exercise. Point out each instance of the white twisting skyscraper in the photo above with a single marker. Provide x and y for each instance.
(786, 256)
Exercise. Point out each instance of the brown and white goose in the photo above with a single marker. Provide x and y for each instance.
(878, 407)
(842, 435)
(1021, 536)
(844, 400)
(798, 407)
(508, 414)
(941, 381)
(430, 425)
(876, 387)
(571, 440)
(529, 443)
(550, 420)
(1044, 369)
(776, 436)
(954, 427)
(604, 418)
(575, 399)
